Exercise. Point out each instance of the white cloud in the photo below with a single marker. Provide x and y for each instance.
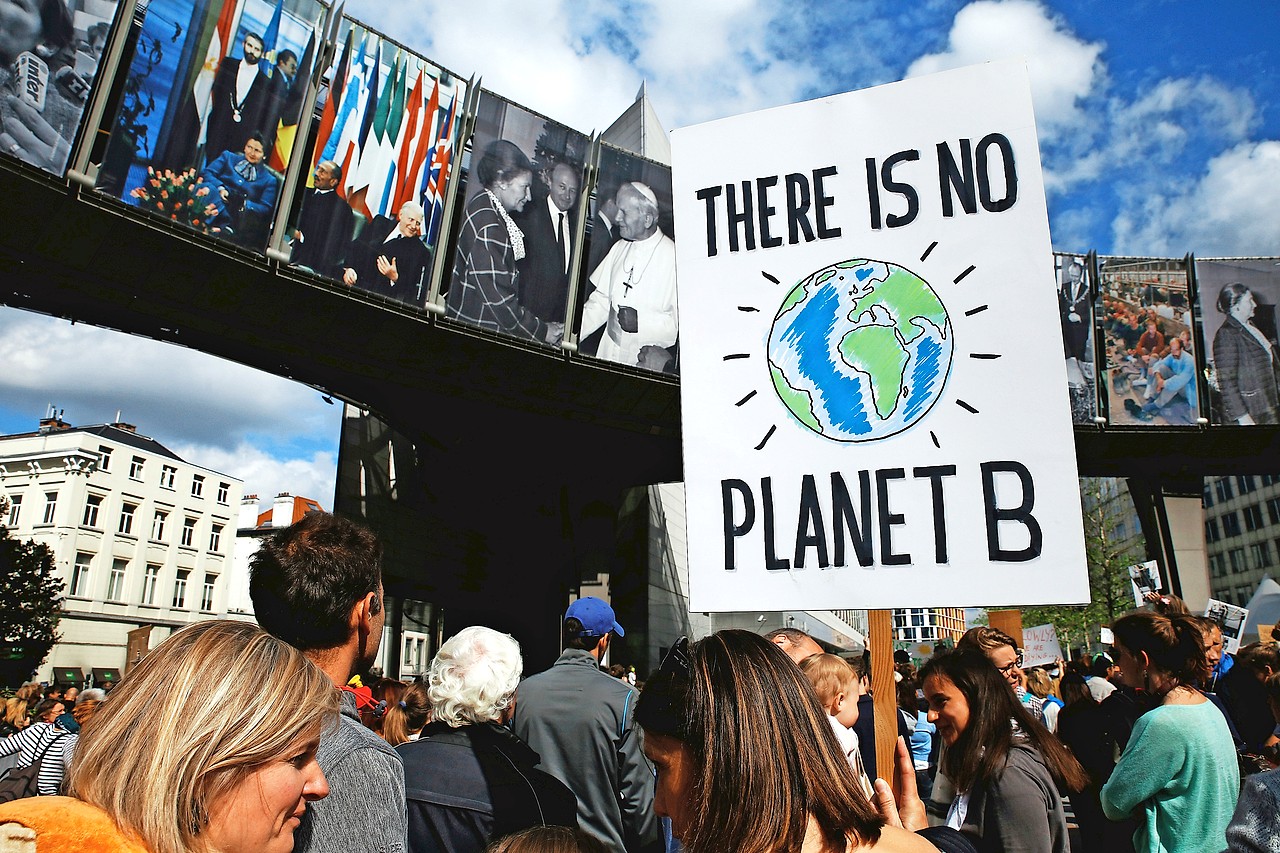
(265, 475)
(1230, 210)
(1064, 68)
(164, 389)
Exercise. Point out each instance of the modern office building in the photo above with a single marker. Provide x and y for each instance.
(1242, 533)
(928, 625)
(141, 537)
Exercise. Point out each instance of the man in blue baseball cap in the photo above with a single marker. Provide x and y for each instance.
(580, 720)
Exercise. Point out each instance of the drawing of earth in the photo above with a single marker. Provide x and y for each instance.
(860, 350)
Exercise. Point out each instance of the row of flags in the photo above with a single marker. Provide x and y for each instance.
(393, 140)
(392, 137)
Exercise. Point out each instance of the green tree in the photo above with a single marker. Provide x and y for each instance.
(32, 604)
(1109, 555)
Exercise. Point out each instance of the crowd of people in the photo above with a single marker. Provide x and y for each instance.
(231, 736)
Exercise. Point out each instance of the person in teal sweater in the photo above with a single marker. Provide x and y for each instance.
(1178, 775)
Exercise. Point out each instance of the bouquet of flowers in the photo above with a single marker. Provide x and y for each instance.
(181, 196)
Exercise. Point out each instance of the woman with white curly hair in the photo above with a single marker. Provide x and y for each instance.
(468, 779)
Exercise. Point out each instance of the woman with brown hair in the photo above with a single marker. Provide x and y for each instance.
(1178, 774)
(746, 758)
(1006, 767)
(404, 719)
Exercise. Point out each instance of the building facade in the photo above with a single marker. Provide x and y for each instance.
(140, 537)
(1242, 533)
(928, 625)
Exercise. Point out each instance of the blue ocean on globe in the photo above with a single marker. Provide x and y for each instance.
(860, 350)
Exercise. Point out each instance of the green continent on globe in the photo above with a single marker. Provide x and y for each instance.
(876, 351)
(903, 297)
(799, 402)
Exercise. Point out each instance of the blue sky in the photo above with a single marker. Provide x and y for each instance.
(1159, 124)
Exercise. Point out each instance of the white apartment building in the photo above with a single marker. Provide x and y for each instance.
(141, 537)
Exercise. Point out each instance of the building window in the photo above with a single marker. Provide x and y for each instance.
(1247, 484)
(224, 493)
(1269, 479)
(180, 589)
(1260, 554)
(1208, 498)
(215, 538)
(1236, 557)
(157, 526)
(126, 518)
(15, 510)
(149, 582)
(80, 576)
(1273, 510)
(1230, 524)
(1216, 566)
(1222, 488)
(1242, 595)
(206, 594)
(50, 507)
(1211, 530)
(115, 583)
(104, 458)
(167, 475)
(188, 531)
(1252, 517)
(197, 486)
(135, 468)
(91, 506)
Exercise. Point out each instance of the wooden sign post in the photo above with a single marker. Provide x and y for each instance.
(885, 690)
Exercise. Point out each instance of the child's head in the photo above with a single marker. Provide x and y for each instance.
(836, 684)
(548, 839)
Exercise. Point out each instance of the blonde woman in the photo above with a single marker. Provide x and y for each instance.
(216, 767)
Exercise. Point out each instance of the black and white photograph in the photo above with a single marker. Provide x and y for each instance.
(1231, 618)
(1147, 582)
(1146, 326)
(209, 87)
(1075, 305)
(515, 243)
(48, 67)
(1238, 299)
(628, 313)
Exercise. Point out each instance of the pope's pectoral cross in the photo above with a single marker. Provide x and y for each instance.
(627, 285)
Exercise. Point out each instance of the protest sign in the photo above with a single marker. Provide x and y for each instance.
(1146, 580)
(871, 374)
(1231, 618)
(1040, 646)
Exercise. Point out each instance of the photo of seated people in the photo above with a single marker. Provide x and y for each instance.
(48, 63)
(370, 212)
(628, 310)
(204, 128)
(1075, 307)
(1151, 366)
(1238, 299)
(515, 245)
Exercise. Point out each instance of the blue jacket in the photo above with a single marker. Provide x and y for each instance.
(259, 195)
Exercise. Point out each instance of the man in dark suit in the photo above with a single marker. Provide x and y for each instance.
(324, 227)
(243, 193)
(389, 256)
(243, 100)
(548, 244)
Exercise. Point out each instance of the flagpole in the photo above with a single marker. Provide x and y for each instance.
(324, 56)
(439, 261)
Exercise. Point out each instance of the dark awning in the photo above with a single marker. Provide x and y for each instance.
(105, 675)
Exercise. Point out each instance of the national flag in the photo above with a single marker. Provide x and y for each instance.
(202, 90)
(287, 126)
(375, 123)
(352, 98)
(271, 36)
(383, 168)
(355, 130)
(438, 173)
(414, 143)
(329, 115)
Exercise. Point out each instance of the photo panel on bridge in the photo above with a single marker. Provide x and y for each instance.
(1147, 332)
(1237, 309)
(1075, 307)
(46, 78)
(210, 104)
(380, 154)
(515, 234)
(627, 310)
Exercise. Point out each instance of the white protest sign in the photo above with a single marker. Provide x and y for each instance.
(1231, 619)
(871, 367)
(1040, 645)
(1106, 637)
(1146, 579)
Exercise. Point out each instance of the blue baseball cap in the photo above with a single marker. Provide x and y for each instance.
(596, 617)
